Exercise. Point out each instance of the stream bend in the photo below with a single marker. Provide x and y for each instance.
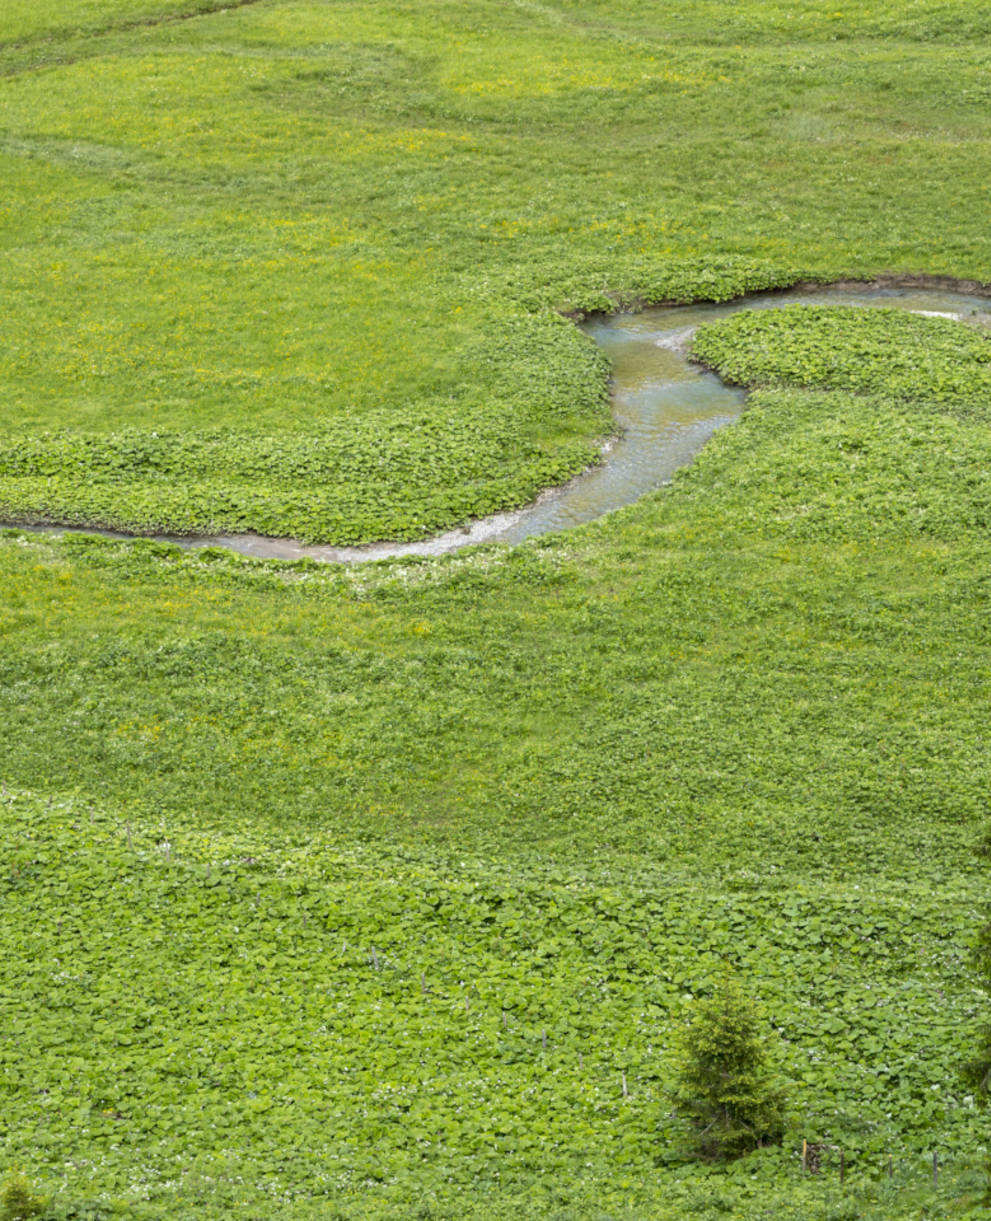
(665, 408)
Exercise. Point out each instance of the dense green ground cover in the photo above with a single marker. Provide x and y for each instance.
(266, 1025)
(291, 266)
(357, 892)
(929, 361)
(332, 853)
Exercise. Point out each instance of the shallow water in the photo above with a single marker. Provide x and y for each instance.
(665, 409)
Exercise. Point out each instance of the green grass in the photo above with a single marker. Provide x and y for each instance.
(313, 225)
(742, 720)
(369, 1031)
(27, 24)
(932, 361)
(356, 892)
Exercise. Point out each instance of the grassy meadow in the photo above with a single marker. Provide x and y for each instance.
(381, 891)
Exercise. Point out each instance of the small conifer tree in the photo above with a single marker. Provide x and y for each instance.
(19, 1200)
(977, 1070)
(727, 1085)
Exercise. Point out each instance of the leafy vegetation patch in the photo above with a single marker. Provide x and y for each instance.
(344, 485)
(290, 226)
(381, 892)
(885, 351)
(399, 892)
(368, 1030)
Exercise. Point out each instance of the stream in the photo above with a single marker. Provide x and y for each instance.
(665, 408)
